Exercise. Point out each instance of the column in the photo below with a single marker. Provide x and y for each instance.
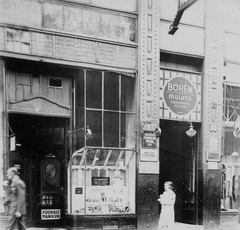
(149, 68)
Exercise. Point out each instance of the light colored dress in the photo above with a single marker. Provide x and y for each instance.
(167, 215)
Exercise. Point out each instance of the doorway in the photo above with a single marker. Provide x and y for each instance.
(41, 155)
(178, 163)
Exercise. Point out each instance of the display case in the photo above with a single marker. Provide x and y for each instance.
(102, 181)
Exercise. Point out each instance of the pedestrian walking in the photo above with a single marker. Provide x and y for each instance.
(167, 201)
(17, 201)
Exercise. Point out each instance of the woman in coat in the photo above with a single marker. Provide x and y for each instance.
(167, 201)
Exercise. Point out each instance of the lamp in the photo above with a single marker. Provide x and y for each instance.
(235, 153)
(191, 132)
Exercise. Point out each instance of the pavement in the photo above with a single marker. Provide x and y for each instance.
(177, 226)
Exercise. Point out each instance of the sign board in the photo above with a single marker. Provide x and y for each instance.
(100, 181)
(149, 140)
(213, 156)
(78, 190)
(149, 155)
(24, 13)
(149, 167)
(50, 214)
(180, 95)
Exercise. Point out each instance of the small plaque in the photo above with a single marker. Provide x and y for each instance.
(50, 214)
(149, 155)
(213, 156)
(100, 181)
(78, 190)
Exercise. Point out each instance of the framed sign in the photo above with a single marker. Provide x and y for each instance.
(100, 181)
(213, 156)
(149, 140)
(149, 155)
(50, 214)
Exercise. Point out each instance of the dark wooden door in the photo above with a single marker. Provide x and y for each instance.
(50, 190)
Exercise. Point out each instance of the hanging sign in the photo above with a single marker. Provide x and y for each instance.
(180, 95)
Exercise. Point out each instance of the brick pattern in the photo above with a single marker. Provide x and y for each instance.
(107, 53)
(64, 47)
(85, 50)
(79, 49)
(42, 44)
(127, 56)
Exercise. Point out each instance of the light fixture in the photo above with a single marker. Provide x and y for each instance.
(191, 132)
(235, 153)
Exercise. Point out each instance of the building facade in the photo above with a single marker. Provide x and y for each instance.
(96, 101)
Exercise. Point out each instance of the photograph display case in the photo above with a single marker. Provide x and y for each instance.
(102, 181)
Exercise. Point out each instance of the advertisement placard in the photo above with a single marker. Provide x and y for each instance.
(180, 95)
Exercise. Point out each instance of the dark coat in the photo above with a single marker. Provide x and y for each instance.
(17, 197)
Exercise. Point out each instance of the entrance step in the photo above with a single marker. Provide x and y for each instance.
(181, 226)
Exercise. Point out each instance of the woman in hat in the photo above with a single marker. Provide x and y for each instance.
(167, 201)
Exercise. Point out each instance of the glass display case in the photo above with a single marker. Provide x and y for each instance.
(102, 181)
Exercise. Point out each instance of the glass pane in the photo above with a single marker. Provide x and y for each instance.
(113, 158)
(16, 35)
(10, 45)
(111, 91)
(110, 187)
(128, 128)
(94, 89)
(16, 46)
(111, 129)
(127, 94)
(94, 121)
(25, 48)
(9, 34)
(25, 37)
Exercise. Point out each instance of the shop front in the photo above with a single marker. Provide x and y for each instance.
(72, 136)
(102, 168)
(230, 196)
(38, 117)
(180, 109)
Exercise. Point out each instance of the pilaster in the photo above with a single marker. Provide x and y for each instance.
(3, 144)
(149, 68)
(212, 113)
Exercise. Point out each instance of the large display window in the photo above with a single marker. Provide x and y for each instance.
(102, 181)
(231, 148)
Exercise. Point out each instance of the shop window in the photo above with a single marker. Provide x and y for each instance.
(101, 181)
(94, 90)
(18, 40)
(110, 109)
(231, 149)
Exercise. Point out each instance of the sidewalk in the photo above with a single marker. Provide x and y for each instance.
(181, 226)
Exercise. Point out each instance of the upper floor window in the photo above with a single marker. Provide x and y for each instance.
(110, 109)
(18, 40)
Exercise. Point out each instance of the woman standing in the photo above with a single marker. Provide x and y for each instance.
(167, 200)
